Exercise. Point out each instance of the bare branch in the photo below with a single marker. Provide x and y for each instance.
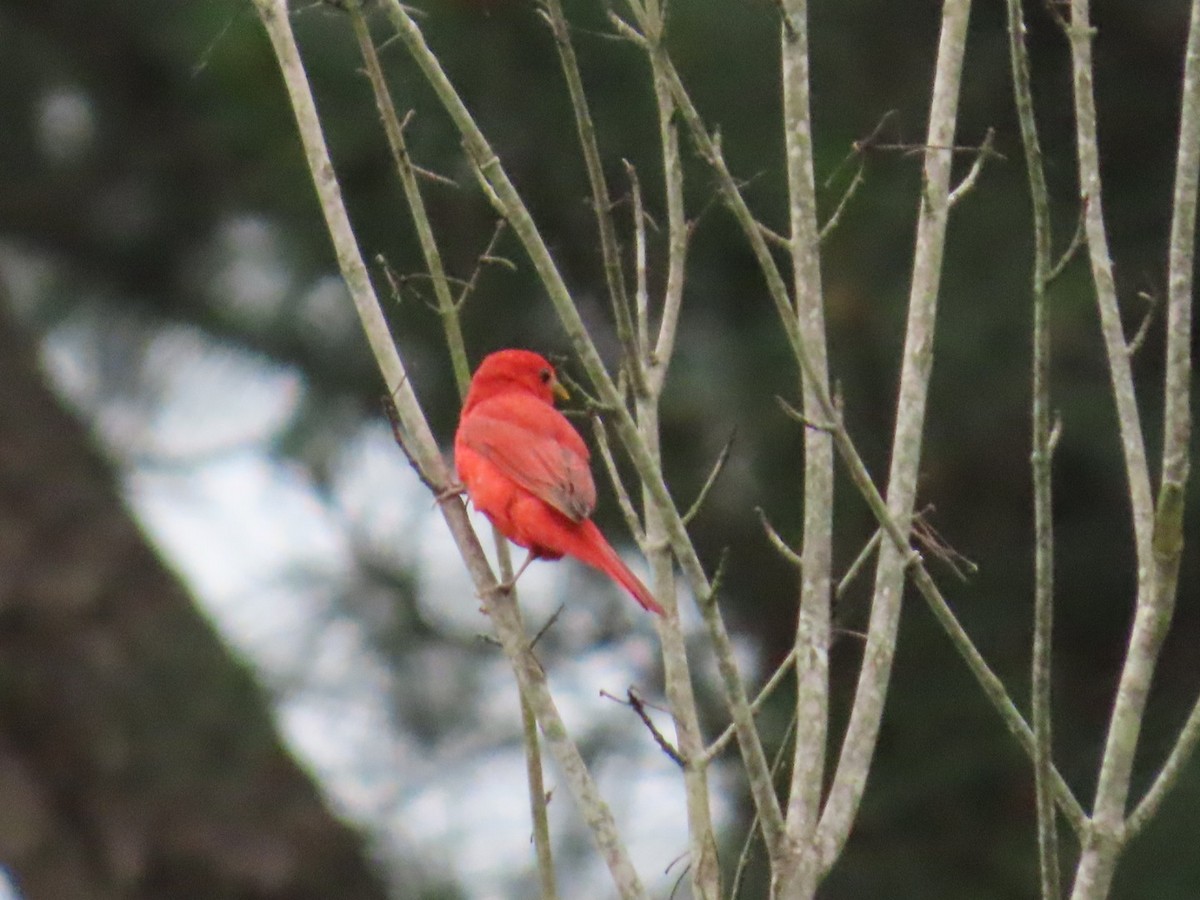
(638, 705)
(792, 413)
(486, 258)
(859, 564)
(777, 541)
(774, 237)
(859, 475)
(1139, 336)
(1136, 469)
(855, 183)
(713, 475)
(1072, 248)
(972, 176)
(1044, 436)
(929, 538)
(614, 477)
(1158, 531)
(1168, 530)
(641, 307)
(858, 745)
(601, 202)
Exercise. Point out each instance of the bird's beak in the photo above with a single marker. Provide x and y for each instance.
(559, 391)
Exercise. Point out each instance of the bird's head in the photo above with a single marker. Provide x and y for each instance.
(520, 371)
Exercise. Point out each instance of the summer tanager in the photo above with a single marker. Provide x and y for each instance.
(526, 468)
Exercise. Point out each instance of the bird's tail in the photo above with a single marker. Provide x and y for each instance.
(594, 550)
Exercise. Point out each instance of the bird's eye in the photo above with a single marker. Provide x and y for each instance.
(545, 375)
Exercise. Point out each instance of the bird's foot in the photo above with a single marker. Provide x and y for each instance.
(509, 584)
(450, 491)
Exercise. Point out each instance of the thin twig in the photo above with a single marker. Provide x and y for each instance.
(394, 130)
(847, 195)
(641, 279)
(1043, 438)
(601, 202)
(859, 564)
(1157, 564)
(704, 869)
(1177, 425)
(614, 477)
(785, 668)
(925, 534)
(713, 474)
(792, 413)
(789, 735)
(673, 100)
(448, 310)
(858, 148)
(972, 176)
(1072, 248)
(1139, 336)
(775, 237)
(486, 258)
(781, 671)
(780, 545)
(638, 705)
(533, 642)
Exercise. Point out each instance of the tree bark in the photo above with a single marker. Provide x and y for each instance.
(137, 754)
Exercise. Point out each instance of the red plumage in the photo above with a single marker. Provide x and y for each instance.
(526, 468)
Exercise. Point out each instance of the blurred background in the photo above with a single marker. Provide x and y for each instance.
(238, 654)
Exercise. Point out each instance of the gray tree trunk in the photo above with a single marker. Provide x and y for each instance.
(138, 758)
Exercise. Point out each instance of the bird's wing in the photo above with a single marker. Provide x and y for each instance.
(533, 444)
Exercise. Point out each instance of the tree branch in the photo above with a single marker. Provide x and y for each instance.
(421, 444)
(1040, 463)
(1168, 538)
(601, 202)
(799, 872)
(858, 746)
(1159, 570)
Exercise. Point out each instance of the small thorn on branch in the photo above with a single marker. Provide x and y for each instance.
(850, 632)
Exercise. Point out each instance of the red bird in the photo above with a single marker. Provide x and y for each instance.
(526, 468)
